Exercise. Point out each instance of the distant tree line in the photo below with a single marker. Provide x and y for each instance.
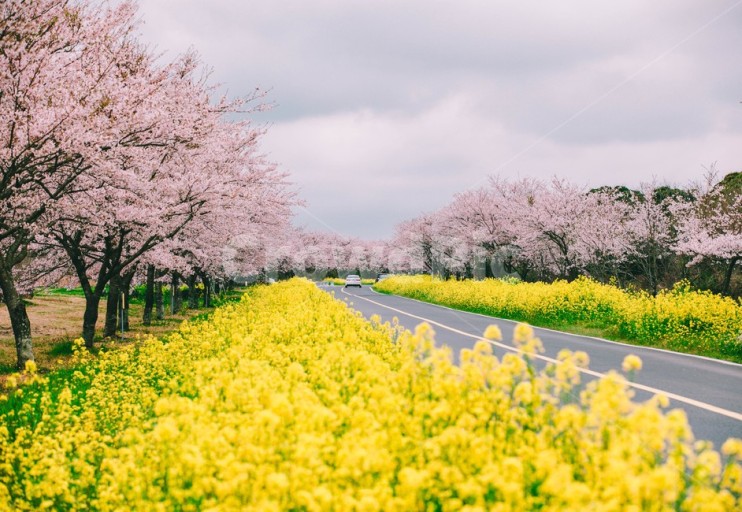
(649, 238)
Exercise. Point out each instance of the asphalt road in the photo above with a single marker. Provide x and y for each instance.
(709, 391)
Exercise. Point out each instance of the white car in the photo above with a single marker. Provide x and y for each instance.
(353, 280)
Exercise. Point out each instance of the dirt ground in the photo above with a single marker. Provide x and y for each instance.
(56, 320)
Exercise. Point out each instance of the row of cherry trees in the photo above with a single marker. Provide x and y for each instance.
(650, 237)
(116, 164)
(320, 254)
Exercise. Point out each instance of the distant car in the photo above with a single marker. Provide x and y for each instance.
(381, 277)
(353, 280)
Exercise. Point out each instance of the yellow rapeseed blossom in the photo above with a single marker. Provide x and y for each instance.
(732, 448)
(30, 367)
(290, 401)
(631, 363)
(523, 333)
(493, 333)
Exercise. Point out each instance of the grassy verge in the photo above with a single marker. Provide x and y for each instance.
(681, 319)
(56, 320)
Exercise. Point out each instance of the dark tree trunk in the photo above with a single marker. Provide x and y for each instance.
(428, 258)
(110, 267)
(175, 293)
(207, 290)
(112, 306)
(18, 318)
(149, 296)
(725, 286)
(90, 318)
(572, 273)
(192, 293)
(488, 267)
(125, 296)
(124, 320)
(159, 303)
(652, 274)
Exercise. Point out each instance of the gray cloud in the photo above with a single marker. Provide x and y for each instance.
(413, 101)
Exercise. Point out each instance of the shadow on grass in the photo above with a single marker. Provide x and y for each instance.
(7, 369)
(63, 348)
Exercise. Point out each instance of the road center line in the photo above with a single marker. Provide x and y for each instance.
(672, 396)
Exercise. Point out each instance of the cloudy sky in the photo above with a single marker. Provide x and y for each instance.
(384, 109)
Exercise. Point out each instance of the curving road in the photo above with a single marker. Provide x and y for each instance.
(709, 391)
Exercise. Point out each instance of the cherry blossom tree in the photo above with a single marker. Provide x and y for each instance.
(603, 238)
(136, 176)
(315, 251)
(48, 137)
(181, 163)
(482, 217)
(560, 228)
(415, 241)
(377, 256)
(710, 228)
(650, 233)
(107, 155)
(455, 249)
(312, 250)
(160, 153)
(556, 229)
(247, 208)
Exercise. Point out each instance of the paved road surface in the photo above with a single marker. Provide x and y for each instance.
(710, 391)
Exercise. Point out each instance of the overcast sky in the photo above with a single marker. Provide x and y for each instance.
(385, 109)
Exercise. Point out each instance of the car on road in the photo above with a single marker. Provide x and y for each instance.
(353, 280)
(381, 277)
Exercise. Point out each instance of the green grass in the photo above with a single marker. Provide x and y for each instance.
(73, 292)
(7, 369)
(62, 348)
(54, 311)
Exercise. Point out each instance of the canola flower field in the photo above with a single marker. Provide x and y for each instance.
(680, 319)
(289, 400)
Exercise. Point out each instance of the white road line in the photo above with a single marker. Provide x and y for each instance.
(672, 396)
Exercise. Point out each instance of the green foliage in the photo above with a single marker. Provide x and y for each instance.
(665, 192)
(731, 183)
(621, 193)
(70, 292)
(137, 294)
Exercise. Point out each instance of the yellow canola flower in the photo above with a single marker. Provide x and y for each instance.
(631, 363)
(523, 333)
(30, 367)
(11, 382)
(493, 332)
(732, 447)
